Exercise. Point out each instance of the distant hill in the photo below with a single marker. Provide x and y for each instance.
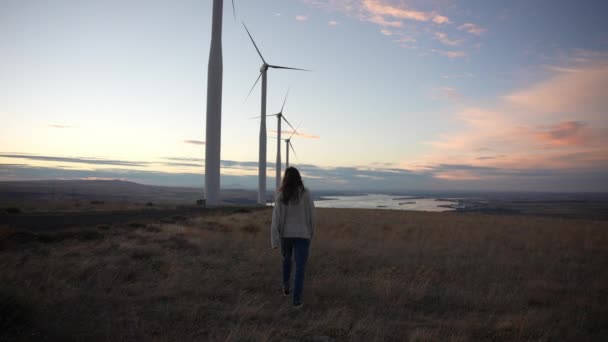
(109, 190)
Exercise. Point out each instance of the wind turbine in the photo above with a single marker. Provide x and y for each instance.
(287, 146)
(280, 118)
(213, 134)
(262, 153)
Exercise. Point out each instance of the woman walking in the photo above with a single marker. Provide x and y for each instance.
(292, 228)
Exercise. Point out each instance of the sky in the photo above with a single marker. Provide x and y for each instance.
(403, 94)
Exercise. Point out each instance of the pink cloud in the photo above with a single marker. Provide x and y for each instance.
(381, 8)
(566, 133)
(570, 89)
(557, 123)
(451, 53)
(458, 175)
(403, 19)
(440, 19)
(443, 38)
(301, 18)
(472, 29)
(286, 134)
(382, 21)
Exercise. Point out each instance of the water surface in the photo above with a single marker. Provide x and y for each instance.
(380, 201)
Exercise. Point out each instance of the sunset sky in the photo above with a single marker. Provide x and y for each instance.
(403, 94)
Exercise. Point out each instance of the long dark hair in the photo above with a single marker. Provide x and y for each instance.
(291, 186)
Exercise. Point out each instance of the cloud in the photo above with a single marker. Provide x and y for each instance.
(490, 157)
(194, 142)
(399, 18)
(472, 29)
(448, 93)
(439, 19)
(443, 177)
(301, 18)
(183, 164)
(443, 38)
(556, 123)
(59, 126)
(185, 159)
(451, 54)
(93, 161)
(332, 23)
(296, 134)
(380, 20)
(380, 8)
(571, 89)
(565, 133)
(405, 41)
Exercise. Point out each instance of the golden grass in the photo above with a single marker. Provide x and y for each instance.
(373, 275)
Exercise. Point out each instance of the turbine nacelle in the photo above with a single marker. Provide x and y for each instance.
(264, 68)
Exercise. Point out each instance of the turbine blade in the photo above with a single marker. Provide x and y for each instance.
(282, 67)
(256, 47)
(259, 117)
(285, 100)
(294, 130)
(256, 82)
(233, 10)
(294, 151)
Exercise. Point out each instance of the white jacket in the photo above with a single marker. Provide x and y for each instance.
(294, 220)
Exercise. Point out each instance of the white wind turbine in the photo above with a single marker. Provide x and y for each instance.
(213, 136)
(280, 118)
(262, 153)
(288, 145)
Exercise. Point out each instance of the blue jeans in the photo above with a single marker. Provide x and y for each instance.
(299, 248)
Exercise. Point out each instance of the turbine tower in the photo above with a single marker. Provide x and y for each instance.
(262, 153)
(213, 134)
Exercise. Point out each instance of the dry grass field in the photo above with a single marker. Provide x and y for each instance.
(373, 275)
